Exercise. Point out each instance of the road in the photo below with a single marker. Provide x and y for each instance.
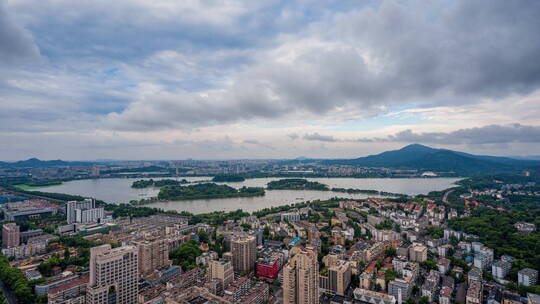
(445, 197)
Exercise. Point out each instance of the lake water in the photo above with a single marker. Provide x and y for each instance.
(118, 190)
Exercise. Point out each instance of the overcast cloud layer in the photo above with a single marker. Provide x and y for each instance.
(236, 79)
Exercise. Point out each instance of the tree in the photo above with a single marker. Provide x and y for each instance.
(429, 265)
(391, 252)
(390, 274)
(43, 299)
(203, 236)
(185, 255)
(423, 300)
(246, 226)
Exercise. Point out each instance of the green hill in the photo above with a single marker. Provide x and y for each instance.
(421, 157)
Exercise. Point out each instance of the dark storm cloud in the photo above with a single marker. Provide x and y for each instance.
(16, 44)
(491, 134)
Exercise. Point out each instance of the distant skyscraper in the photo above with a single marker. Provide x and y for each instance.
(244, 252)
(95, 171)
(11, 236)
(301, 277)
(113, 275)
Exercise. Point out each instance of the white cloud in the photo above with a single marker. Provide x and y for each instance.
(270, 76)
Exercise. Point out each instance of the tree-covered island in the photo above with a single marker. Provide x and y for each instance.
(206, 190)
(296, 184)
(228, 178)
(304, 184)
(145, 183)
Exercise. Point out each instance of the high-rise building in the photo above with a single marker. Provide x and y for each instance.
(153, 255)
(93, 215)
(95, 171)
(339, 277)
(83, 212)
(113, 275)
(223, 271)
(244, 252)
(301, 277)
(11, 236)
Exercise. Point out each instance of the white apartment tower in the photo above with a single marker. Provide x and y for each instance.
(113, 275)
(83, 212)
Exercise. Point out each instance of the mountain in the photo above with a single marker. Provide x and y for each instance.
(421, 157)
(37, 163)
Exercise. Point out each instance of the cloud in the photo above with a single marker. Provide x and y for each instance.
(16, 44)
(412, 53)
(293, 136)
(491, 134)
(319, 137)
(304, 66)
(257, 143)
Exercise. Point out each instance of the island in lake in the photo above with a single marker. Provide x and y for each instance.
(304, 184)
(296, 184)
(145, 183)
(205, 191)
(228, 178)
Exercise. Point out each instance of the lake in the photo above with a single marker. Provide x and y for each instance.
(118, 190)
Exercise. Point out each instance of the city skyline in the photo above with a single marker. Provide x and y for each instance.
(275, 79)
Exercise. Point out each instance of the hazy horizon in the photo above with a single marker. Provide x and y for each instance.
(525, 157)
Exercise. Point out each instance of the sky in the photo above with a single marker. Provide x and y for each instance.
(232, 79)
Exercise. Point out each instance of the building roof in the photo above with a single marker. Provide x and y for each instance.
(69, 285)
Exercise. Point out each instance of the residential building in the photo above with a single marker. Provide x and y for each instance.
(153, 255)
(445, 297)
(372, 297)
(10, 235)
(223, 271)
(290, 216)
(84, 212)
(339, 277)
(527, 277)
(500, 269)
(474, 293)
(418, 252)
(524, 227)
(443, 265)
(113, 275)
(400, 289)
(244, 252)
(301, 277)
